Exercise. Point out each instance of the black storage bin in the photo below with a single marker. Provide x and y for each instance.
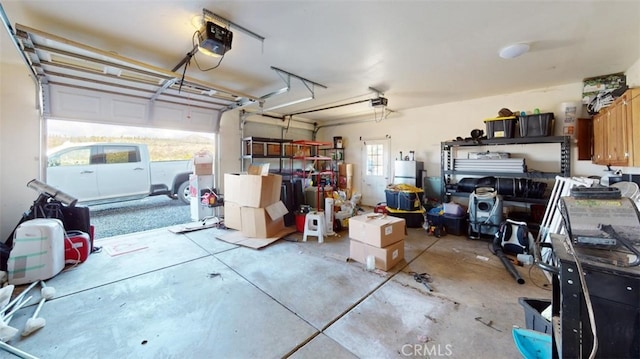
(413, 219)
(456, 225)
(532, 314)
(501, 127)
(287, 197)
(536, 125)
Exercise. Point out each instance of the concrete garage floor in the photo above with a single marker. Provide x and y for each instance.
(157, 294)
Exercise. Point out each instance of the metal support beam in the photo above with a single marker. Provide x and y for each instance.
(208, 14)
(286, 77)
(298, 77)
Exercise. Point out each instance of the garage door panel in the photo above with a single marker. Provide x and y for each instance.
(129, 110)
(195, 119)
(84, 83)
(71, 103)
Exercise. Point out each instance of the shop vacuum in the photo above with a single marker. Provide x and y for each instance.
(485, 212)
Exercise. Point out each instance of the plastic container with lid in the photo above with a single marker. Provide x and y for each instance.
(501, 127)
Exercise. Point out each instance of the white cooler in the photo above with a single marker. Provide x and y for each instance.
(38, 251)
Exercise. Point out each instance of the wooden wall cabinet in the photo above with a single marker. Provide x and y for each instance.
(614, 131)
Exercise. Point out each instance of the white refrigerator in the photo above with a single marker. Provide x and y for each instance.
(408, 172)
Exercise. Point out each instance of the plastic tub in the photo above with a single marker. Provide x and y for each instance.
(456, 225)
(532, 314)
(536, 125)
(404, 200)
(501, 127)
(532, 344)
(413, 219)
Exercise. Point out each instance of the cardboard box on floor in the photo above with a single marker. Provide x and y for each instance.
(232, 216)
(263, 222)
(255, 191)
(385, 258)
(377, 230)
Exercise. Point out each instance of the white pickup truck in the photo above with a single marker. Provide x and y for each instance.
(98, 173)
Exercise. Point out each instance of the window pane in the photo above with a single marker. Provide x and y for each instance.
(374, 160)
(122, 154)
(75, 158)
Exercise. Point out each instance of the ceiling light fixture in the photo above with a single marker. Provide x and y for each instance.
(286, 77)
(294, 102)
(514, 50)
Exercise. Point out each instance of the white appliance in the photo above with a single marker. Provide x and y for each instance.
(38, 251)
(408, 172)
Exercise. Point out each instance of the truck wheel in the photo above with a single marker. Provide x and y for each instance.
(183, 192)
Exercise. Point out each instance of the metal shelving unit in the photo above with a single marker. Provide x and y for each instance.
(265, 148)
(309, 157)
(448, 152)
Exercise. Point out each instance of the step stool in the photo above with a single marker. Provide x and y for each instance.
(314, 226)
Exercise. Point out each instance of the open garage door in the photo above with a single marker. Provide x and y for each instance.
(83, 83)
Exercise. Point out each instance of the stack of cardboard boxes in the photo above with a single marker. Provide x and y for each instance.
(379, 236)
(252, 204)
(345, 178)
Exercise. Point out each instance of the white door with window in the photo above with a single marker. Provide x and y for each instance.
(376, 170)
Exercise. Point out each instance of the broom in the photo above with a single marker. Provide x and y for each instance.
(6, 331)
(5, 294)
(34, 323)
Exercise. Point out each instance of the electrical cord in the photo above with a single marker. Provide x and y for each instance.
(534, 282)
(193, 41)
(68, 240)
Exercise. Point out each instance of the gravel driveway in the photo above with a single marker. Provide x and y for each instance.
(140, 215)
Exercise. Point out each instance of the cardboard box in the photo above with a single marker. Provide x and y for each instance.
(289, 149)
(260, 169)
(377, 230)
(385, 258)
(345, 169)
(252, 190)
(203, 163)
(273, 149)
(303, 151)
(203, 169)
(255, 148)
(232, 217)
(263, 222)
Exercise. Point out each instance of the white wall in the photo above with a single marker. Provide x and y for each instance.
(633, 75)
(422, 129)
(19, 144)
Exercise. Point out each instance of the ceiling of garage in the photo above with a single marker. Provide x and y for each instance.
(417, 53)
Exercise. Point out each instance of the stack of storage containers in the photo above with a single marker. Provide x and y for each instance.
(405, 201)
(379, 236)
(252, 204)
(535, 125)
